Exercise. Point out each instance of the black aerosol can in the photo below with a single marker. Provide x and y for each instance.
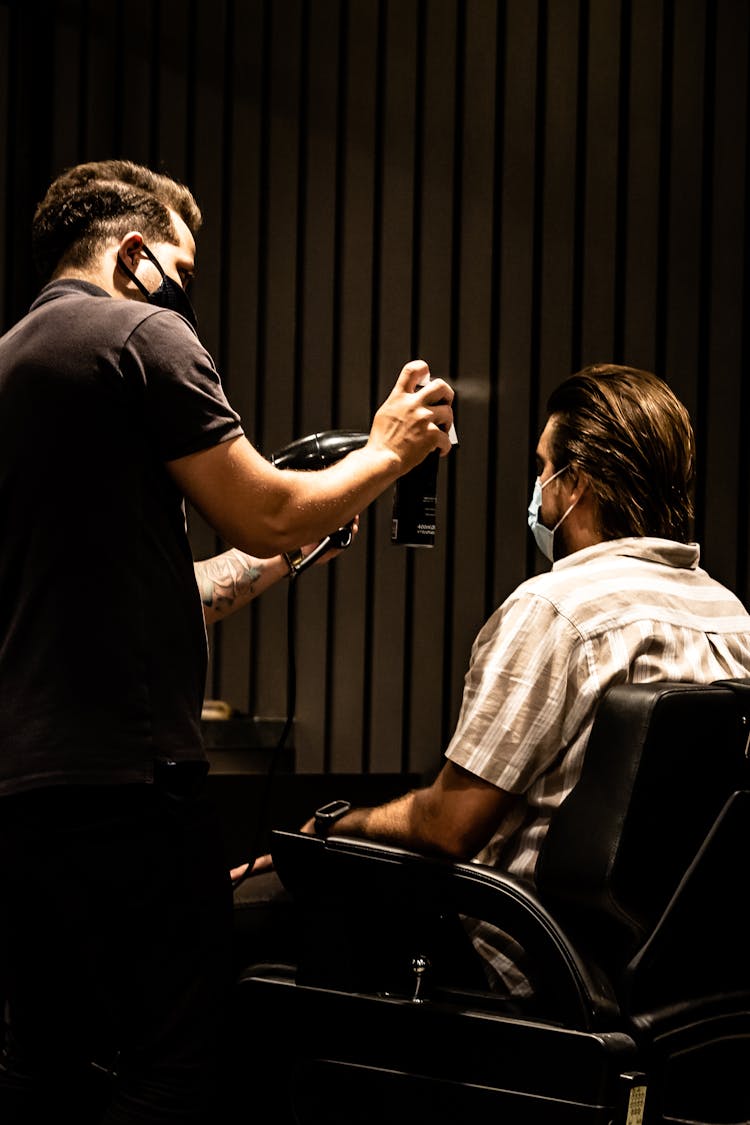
(415, 501)
(415, 504)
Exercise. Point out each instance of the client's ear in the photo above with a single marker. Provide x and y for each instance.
(578, 481)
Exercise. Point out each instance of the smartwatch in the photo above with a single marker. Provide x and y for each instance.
(327, 815)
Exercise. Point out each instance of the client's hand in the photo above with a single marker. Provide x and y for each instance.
(260, 865)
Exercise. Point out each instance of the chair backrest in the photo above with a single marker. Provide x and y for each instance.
(698, 948)
(662, 761)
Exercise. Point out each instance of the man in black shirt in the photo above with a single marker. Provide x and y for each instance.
(111, 415)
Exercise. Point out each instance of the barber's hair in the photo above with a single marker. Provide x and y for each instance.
(90, 204)
(633, 439)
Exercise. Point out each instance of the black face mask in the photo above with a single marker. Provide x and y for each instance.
(169, 295)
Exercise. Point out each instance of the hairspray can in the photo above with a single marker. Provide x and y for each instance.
(415, 504)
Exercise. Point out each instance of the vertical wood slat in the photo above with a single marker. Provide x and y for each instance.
(427, 592)
(7, 169)
(596, 328)
(280, 290)
(212, 30)
(514, 365)
(28, 72)
(726, 422)
(741, 506)
(508, 189)
(241, 186)
(559, 188)
(392, 349)
(347, 720)
(683, 312)
(66, 107)
(642, 187)
(314, 363)
(467, 532)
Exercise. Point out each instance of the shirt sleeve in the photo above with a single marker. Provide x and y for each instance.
(514, 719)
(186, 407)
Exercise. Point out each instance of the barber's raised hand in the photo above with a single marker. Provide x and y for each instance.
(411, 422)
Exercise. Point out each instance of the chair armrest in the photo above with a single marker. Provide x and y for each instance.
(391, 884)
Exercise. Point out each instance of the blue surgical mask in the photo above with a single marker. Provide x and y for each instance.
(545, 536)
(169, 295)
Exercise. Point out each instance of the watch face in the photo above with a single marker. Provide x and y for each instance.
(327, 815)
(333, 809)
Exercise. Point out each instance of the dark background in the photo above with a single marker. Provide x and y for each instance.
(508, 190)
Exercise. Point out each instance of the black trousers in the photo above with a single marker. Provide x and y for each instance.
(115, 956)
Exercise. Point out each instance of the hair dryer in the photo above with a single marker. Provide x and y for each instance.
(318, 451)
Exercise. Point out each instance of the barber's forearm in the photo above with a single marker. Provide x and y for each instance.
(263, 510)
(314, 504)
(230, 581)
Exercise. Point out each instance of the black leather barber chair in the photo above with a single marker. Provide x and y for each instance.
(635, 940)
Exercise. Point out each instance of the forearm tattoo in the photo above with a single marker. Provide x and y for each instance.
(228, 579)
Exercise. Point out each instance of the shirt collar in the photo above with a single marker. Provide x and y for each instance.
(684, 556)
(63, 285)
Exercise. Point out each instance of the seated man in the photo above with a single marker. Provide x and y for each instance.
(625, 601)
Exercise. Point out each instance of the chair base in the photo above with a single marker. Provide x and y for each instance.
(425, 1061)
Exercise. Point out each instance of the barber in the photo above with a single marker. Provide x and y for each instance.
(112, 415)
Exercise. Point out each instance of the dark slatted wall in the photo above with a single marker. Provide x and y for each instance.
(509, 190)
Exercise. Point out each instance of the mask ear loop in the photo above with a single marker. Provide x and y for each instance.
(129, 273)
(559, 473)
(565, 514)
(570, 508)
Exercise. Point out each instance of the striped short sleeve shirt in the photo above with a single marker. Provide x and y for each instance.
(624, 611)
